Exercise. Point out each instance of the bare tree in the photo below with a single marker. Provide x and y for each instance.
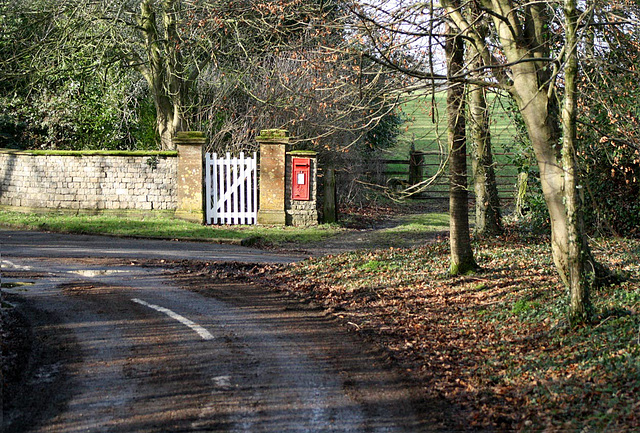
(577, 253)
(410, 39)
(462, 260)
(488, 218)
(529, 50)
(527, 67)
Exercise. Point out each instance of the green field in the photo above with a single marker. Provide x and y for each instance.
(426, 129)
(420, 129)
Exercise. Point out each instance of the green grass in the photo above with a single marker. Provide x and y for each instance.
(424, 134)
(424, 222)
(163, 227)
(412, 230)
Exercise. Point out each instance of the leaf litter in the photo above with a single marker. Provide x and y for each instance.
(495, 343)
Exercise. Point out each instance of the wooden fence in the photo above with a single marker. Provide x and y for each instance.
(421, 165)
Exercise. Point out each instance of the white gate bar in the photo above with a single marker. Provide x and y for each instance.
(254, 170)
(230, 191)
(241, 185)
(208, 215)
(236, 208)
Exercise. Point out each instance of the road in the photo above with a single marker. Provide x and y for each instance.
(119, 347)
(39, 244)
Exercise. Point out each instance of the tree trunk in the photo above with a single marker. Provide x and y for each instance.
(165, 119)
(570, 250)
(462, 260)
(329, 208)
(540, 120)
(163, 72)
(577, 247)
(488, 215)
(177, 75)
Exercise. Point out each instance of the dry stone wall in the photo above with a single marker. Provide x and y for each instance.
(88, 182)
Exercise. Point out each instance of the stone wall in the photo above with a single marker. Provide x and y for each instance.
(94, 182)
(88, 182)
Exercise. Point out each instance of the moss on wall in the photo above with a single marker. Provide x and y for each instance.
(165, 153)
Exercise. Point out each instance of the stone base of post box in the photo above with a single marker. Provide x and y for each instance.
(301, 212)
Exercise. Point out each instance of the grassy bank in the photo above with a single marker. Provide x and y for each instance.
(424, 133)
(495, 345)
(425, 128)
(163, 227)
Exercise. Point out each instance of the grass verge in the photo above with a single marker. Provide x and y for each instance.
(164, 228)
(496, 343)
(410, 231)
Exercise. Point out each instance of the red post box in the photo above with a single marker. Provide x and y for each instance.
(300, 178)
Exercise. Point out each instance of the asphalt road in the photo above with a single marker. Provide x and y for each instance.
(37, 244)
(123, 348)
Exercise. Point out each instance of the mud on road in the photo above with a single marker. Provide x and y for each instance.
(97, 361)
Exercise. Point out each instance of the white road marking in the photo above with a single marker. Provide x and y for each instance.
(206, 335)
(222, 381)
(7, 263)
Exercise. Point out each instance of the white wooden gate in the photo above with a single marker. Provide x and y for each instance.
(231, 189)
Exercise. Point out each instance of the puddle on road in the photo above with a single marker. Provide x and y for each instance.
(99, 272)
(14, 284)
(46, 374)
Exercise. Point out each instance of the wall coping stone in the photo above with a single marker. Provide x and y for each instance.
(164, 153)
(190, 138)
(307, 153)
(273, 136)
